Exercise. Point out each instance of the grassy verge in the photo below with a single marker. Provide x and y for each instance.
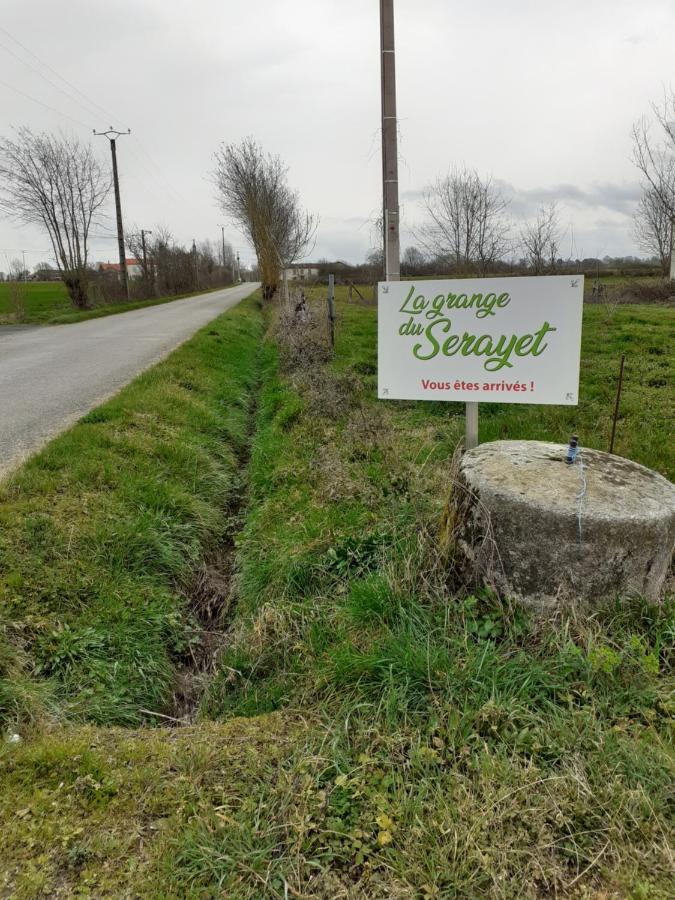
(100, 532)
(112, 309)
(467, 749)
(48, 304)
(376, 733)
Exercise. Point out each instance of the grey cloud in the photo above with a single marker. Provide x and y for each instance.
(303, 78)
(413, 196)
(618, 197)
(524, 202)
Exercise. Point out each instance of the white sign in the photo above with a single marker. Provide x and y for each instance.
(497, 340)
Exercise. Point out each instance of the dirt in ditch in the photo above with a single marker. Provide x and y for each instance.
(212, 600)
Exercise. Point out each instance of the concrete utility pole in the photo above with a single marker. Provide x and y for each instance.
(222, 235)
(145, 231)
(195, 263)
(112, 136)
(390, 218)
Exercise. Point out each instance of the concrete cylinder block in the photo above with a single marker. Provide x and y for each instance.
(543, 531)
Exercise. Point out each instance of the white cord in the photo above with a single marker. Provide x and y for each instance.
(581, 494)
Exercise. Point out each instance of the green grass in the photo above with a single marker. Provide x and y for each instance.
(504, 756)
(376, 733)
(614, 280)
(100, 532)
(39, 302)
(47, 303)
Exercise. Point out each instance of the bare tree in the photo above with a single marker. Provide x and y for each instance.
(653, 227)
(209, 254)
(55, 182)
(134, 242)
(467, 224)
(413, 261)
(655, 156)
(17, 271)
(374, 264)
(252, 189)
(540, 240)
(171, 268)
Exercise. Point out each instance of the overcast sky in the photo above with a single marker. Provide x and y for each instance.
(540, 94)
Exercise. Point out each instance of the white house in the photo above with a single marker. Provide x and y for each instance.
(301, 272)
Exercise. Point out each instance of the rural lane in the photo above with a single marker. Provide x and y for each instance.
(51, 376)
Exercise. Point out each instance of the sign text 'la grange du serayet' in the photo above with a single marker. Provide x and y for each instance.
(504, 340)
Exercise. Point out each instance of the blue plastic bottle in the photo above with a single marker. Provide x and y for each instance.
(572, 450)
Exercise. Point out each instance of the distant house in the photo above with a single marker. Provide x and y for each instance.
(301, 272)
(134, 268)
(47, 273)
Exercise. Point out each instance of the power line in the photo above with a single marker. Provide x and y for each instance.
(159, 191)
(45, 105)
(49, 81)
(155, 172)
(159, 174)
(23, 250)
(54, 72)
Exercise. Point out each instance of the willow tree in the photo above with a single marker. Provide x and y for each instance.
(56, 183)
(252, 189)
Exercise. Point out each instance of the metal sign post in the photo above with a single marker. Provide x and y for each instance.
(471, 439)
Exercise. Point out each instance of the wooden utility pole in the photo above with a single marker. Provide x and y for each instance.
(112, 136)
(390, 210)
(331, 309)
(618, 401)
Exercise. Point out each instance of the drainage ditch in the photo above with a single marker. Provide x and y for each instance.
(212, 600)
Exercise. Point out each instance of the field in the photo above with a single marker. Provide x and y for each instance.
(32, 303)
(47, 303)
(242, 547)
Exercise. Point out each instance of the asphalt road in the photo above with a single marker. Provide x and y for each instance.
(51, 376)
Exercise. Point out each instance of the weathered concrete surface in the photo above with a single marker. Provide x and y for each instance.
(516, 519)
